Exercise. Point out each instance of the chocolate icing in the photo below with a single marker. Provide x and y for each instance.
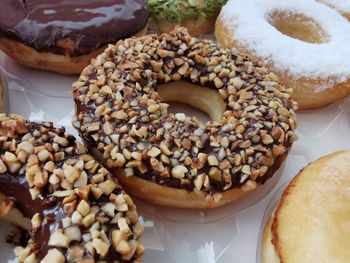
(90, 24)
(16, 189)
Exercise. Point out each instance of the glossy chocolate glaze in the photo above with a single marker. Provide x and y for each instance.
(16, 189)
(88, 24)
(173, 182)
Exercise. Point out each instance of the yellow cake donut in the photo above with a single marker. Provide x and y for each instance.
(304, 42)
(73, 209)
(311, 221)
(172, 159)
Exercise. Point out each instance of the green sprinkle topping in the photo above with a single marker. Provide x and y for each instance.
(180, 10)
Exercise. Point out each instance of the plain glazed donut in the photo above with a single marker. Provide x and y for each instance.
(62, 36)
(304, 42)
(311, 221)
(197, 16)
(73, 208)
(172, 159)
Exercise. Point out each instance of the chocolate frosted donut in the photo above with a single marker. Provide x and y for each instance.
(69, 30)
(77, 210)
(173, 159)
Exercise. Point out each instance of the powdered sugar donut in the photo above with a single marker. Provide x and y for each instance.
(305, 42)
(342, 6)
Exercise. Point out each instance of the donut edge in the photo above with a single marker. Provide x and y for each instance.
(270, 235)
(179, 198)
(48, 61)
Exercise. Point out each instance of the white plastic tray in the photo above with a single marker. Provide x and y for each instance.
(228, 234)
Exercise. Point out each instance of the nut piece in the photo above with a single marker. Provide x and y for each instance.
(123, 247)
(154, 152)
(107, 187)
(83, 208)
(212, 160)
(71, 173)
(89, 220)
(75, 253)
(3, 168)
(198, 182)
(117, 236)
(26, 146)
(100, 246)
(179, 171)
(44, 155)
(53, 256)
(266, 138)
(58, 239)
(180, 116)
(73, 233)
(36, 221)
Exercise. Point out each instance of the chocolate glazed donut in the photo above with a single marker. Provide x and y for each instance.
(73, 208)
(52, 33)
(172, 159)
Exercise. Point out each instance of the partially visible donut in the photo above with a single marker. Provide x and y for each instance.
(311, 221)
(62, 36)
(304, 42)
(173, 159)
(77, 211)
(342, 6)
(197, 16)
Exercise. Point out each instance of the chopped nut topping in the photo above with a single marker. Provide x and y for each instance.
(70, 183)
(140, 136)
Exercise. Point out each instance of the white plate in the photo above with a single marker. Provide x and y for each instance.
(228, 234)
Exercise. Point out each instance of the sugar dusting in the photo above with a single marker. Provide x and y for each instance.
(340, 5)
(298, 58)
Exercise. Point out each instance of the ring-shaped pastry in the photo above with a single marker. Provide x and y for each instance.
(304, 42)
(62, 36)
(173, 159)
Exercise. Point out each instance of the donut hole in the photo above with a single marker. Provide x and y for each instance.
(188, 110)
(298, 26)
(204, 103)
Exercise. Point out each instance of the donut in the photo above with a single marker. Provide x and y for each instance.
(311, 221)
(342, 6)
(304, 42)
(197, 16)
(73, 208)
(172, 159)
(62, 36)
